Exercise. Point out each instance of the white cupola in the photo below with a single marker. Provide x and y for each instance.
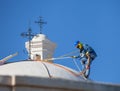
(41, 46)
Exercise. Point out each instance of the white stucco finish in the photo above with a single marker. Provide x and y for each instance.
(39, 69)
(42, 46)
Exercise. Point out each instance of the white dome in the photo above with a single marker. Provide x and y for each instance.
(39, 69)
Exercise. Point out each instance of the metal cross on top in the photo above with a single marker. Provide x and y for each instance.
(41, 22)
(29, 35)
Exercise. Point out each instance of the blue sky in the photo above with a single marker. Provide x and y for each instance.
(95, 22)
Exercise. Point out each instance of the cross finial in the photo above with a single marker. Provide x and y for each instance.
(29, 35)
(41, 22)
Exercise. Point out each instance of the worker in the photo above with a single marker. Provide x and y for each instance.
(87, 55)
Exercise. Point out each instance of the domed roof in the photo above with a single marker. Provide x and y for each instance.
(39, 69)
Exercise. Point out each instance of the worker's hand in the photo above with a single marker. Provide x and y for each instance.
(73, 56)
(87, 54)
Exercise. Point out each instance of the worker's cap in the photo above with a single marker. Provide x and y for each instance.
(76, 43)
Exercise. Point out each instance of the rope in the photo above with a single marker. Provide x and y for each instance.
(60, 58)
(65, 56)
(68, 54)
(79, 69)
(76, 65)
(49, 59)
